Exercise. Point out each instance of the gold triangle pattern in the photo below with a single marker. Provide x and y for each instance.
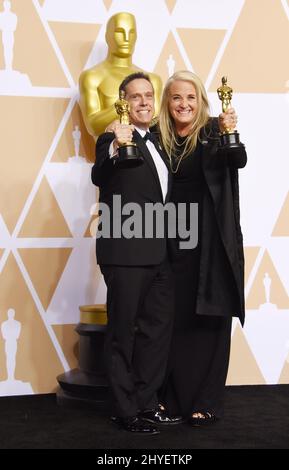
(278, 294)
(28, 150)
(243, 368)
(170, 53)
(76, 42)
(69, 340)
(45, 219)
(34, 345)
(281, 228)
(251, 60)
(201, 46)
(107, 3)
(65, 147)
(284, 377)
(92, 227)
(171, 4)
(251, 254)
(45, 267)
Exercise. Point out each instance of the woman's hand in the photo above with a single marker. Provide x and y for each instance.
(228, 120)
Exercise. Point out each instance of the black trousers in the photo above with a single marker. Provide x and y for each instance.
(198, 367)
(140, 305)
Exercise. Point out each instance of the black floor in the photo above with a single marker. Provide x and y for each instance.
(256, 417)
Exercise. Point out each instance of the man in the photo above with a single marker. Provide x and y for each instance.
(99, 85)
(136, 270)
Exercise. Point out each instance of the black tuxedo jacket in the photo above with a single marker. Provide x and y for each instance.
(139, 185)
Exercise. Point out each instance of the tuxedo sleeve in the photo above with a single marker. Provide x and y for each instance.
(103, 162)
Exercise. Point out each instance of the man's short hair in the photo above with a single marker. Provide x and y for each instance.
(134, 76)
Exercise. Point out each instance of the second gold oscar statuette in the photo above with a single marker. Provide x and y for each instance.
(229, 138)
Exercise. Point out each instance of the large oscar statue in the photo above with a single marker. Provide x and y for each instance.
(128, 153)
(99, 86)
(229, 138)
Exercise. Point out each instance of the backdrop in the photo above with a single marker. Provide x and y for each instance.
(47, 260)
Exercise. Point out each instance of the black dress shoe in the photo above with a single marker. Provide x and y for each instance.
(135, 424)
(159, 416)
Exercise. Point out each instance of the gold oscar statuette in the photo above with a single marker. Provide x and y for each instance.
(229, 138)
(128, 152)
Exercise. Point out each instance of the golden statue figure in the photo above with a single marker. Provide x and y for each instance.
(99, 85)
(128, 154)
(229, 138)
(225, 94)
(122, 109)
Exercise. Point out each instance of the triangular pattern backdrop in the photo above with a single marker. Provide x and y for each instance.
(47, 202)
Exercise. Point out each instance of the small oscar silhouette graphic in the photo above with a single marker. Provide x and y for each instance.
(76, 135)
(267, 306)
(10, 79)
(10, 331)
(171, 65)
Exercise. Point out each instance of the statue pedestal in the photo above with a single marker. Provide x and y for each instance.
(87, 385)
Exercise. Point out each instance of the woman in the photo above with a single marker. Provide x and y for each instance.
(208, 278)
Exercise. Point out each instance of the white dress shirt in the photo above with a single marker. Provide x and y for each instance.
(160, 165)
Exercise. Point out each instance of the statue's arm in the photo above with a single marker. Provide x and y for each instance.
(96, 120)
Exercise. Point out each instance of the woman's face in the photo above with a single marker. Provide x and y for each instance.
(182, 103)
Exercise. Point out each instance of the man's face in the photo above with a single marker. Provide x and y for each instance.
(122, 36)
(140, 95)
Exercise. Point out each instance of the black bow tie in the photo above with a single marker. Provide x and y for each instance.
(152, 137)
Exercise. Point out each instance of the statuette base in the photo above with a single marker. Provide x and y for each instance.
(128, 156)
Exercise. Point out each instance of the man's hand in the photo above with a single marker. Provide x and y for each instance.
(123, 133)
(228, 120)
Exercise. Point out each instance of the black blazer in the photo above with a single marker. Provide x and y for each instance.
(139, 185)
(221, 230)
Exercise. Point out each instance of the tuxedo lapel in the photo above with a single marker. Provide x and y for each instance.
(147, 156)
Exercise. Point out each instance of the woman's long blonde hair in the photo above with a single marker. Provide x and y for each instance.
(166, 122)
